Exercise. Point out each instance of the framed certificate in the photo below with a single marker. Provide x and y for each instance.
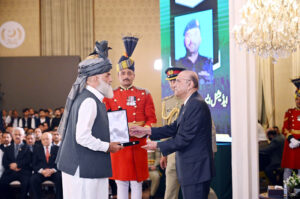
(118, 126)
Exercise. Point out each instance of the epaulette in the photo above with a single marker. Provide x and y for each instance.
(167, 98)
(142, 89)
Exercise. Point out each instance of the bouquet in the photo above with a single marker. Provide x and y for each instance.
(293, 181)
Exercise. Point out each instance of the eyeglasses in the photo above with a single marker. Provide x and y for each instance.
(180, 80)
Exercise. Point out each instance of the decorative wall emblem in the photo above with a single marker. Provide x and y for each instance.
(12, 34)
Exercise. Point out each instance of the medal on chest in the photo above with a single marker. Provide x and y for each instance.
(131, 101)
(298, 118)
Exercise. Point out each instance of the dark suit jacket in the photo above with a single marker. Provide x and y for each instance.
(191, 139)
(39, 158)
(274, 151)
(38, 122)
(23, 159)
(26, 124)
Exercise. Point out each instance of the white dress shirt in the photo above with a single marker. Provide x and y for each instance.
(86, 116)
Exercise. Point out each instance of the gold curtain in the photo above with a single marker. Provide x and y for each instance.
(266, 90)
(67, 27)
(296, 64)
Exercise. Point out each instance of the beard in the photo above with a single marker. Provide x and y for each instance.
(105, 89)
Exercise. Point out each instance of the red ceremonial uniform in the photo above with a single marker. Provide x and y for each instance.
(131, 163)
(291, 126)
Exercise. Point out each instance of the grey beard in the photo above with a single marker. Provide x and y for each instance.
(105, 89)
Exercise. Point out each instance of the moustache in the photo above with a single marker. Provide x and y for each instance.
(126, 80)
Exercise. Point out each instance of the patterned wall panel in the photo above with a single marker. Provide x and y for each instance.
(25, 13)
(116, 18)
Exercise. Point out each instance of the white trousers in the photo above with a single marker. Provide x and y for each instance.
(75, 187)
(123, 187)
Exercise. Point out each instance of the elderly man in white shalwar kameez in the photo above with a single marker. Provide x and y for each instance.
(84, 157)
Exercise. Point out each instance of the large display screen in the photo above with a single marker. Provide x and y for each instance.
(195, 35)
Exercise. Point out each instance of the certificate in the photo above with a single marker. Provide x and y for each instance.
(118, 126)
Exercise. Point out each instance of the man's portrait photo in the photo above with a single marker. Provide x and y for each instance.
(194, 44)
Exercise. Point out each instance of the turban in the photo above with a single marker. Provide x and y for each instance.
(96, 63)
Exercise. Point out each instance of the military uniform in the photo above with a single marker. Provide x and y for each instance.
(153, 161)
(131, 162)
(291, 126)
(202, 64)
(170, 111)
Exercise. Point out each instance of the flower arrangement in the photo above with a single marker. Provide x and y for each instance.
(293, 181)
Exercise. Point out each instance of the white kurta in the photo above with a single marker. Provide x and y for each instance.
(75, 187)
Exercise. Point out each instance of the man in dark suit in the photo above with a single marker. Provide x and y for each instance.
(191, 139)
(44, 167)
(274, 153)
(17, 164)
(25, 121)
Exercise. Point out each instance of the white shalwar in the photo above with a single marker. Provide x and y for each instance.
(75, 187)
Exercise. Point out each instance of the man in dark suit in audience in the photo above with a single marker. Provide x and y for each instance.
(44, 167)
(191, 139)
(17, 164)
(42, 118)
(25, 121)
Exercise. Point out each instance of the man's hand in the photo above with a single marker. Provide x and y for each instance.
(114, 147)
(139, 131)
(163, 162)
(294, 143)
(150, 146)
(13, 166)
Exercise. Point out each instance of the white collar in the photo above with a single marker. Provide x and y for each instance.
(187, 99)
(95, 92)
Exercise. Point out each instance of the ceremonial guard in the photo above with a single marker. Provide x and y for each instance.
(170, 110)
(291, 130)
(130, 165)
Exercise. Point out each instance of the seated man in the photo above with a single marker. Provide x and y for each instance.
(5, 142)
(274, 151)
(30, 140)
(44, 167)
(17, 164)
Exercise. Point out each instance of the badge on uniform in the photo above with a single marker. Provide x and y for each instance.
(131, 101)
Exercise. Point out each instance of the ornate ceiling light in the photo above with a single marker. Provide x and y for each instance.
(269, 28)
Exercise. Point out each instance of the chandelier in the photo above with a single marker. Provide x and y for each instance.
(269, 28)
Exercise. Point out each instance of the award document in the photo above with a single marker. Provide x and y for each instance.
(118, 126)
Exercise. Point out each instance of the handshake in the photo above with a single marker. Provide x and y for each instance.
(139, 132)
(294, 143)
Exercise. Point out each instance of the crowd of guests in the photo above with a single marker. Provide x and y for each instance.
(28, 150)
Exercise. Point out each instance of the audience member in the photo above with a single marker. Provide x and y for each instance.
(274, 152)
(25, 121)
(45, 126)
(56, 120)
(9, 129)
(56, 138)
(43, 118)
(38, 135)
(6, 140)
(30, 140)
(17, 164)
(44, 167)
(14, 119)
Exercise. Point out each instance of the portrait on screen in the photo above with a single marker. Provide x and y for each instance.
(193, 39)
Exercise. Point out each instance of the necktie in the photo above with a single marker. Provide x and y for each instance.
(17, 150)
(47, 154)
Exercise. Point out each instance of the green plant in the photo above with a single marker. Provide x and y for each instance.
(293, 181)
